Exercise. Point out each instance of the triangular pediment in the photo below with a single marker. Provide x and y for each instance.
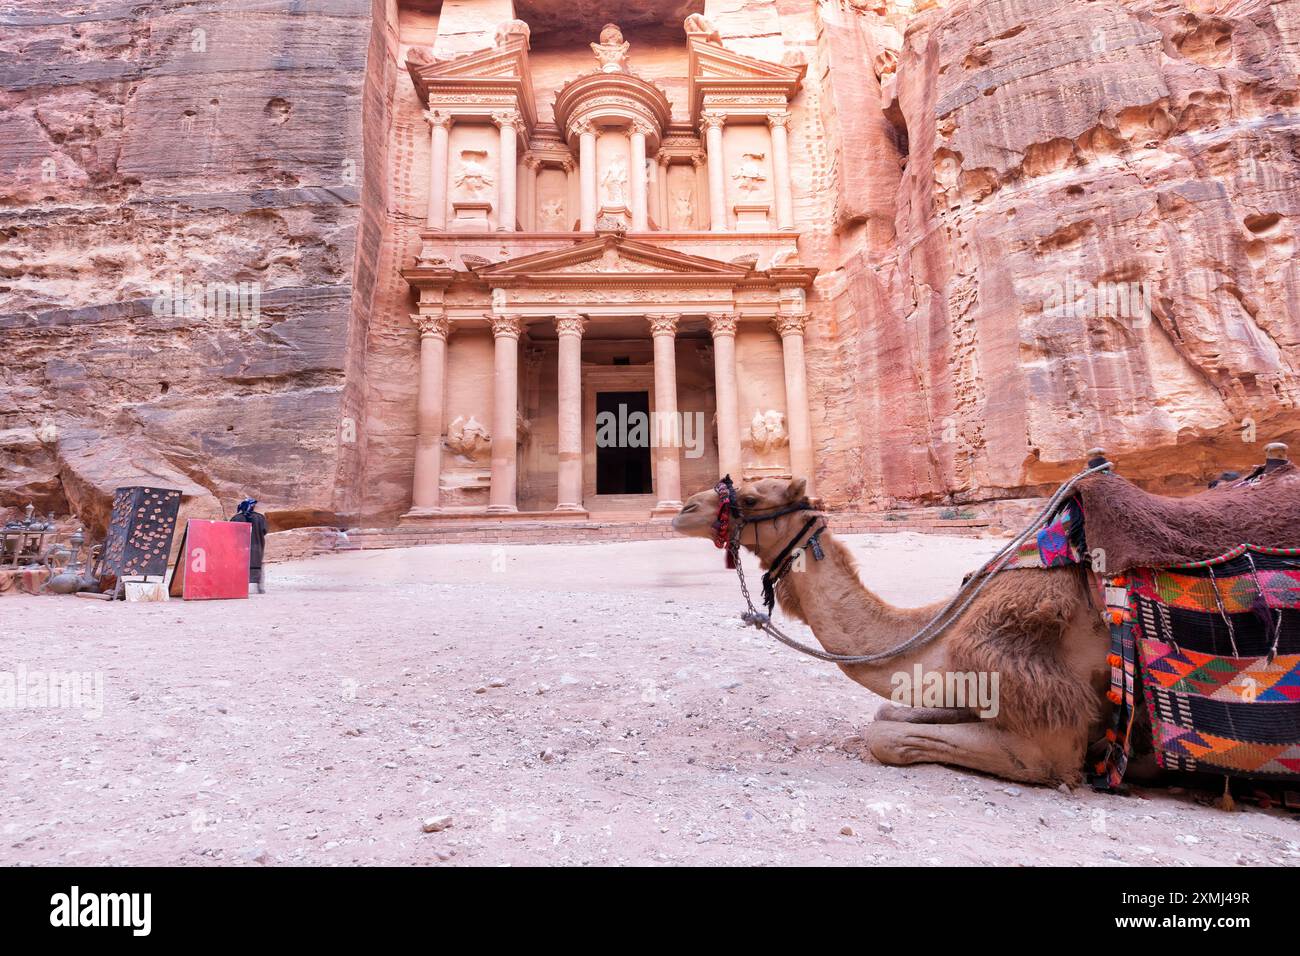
(612, 258)
(499, 70)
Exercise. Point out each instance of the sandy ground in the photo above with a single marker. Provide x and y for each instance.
(592, 704)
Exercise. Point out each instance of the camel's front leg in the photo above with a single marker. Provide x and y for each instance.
(978, 746)
(925, 715)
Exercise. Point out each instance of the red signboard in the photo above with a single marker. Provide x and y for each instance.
(213, 561)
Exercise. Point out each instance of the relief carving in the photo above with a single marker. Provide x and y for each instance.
(614, 182)
(697, 25)
(550, 216)
(473, 178)
(683, 210)
(511, 29)
(767, 432)
(749, 174)
(468, 438)
(611, 51)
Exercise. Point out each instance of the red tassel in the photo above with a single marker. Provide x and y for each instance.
(731, 560)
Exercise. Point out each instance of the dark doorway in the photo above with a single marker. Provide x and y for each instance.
(623, 465)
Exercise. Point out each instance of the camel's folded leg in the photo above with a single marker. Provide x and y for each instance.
(926, 715)
(979, 746)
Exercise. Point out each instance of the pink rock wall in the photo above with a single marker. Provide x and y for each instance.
(1052, 147)
(962, 211)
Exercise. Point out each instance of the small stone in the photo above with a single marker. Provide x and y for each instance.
(847, 830)
(436, 824)
(547, 755)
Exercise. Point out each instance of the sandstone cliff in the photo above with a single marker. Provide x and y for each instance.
(975, 177)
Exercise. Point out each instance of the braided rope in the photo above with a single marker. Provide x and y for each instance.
(941, 620)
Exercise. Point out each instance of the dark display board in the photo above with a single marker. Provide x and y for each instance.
(140, 532)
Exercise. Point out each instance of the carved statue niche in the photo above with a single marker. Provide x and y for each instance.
(611, 51)
(767, 432)
(468, 438)
(510, 29)
(473, 178)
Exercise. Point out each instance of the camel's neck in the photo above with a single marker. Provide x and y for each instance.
(845, 616)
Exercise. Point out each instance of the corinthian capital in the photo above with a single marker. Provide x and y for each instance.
(437, 118)
(509, 118)
(779, 118)
(723, 323)
(573, 324)
(505, 325)
(436, 325)
(712, 120)
(790, 323)
(665, 324)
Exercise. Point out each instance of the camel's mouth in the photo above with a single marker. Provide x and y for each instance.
(695, 519)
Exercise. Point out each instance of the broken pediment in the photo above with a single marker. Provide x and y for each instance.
(715, 71)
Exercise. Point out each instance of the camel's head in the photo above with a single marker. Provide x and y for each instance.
(702, 514)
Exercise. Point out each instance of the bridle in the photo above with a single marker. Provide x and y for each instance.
(730, 525)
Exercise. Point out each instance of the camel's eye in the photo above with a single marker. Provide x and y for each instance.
(749, 501)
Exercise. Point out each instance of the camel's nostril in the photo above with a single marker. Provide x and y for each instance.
(689, 508)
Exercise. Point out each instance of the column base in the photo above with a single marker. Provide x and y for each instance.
(502, 509)
(666, 509)
(423, 512)
(571, 509)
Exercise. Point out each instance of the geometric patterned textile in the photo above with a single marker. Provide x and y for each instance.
(1219, 647)
(1052, 547)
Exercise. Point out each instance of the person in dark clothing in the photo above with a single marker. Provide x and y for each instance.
(257, 540)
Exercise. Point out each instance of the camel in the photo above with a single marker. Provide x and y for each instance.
(1036, 628)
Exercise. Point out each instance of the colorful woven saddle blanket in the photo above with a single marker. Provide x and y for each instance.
(1205, 631)
(1211, 651)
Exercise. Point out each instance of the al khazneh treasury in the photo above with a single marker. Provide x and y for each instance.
(612, 249)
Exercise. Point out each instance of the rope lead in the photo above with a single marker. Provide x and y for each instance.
(937, 624)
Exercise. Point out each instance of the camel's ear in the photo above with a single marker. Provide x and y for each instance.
(817, 504)
(796, 489)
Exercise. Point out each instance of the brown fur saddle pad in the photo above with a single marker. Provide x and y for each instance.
(1136, 529)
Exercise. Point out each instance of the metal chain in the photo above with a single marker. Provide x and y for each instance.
(937, 624)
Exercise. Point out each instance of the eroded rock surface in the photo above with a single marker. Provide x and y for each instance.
(966, 176)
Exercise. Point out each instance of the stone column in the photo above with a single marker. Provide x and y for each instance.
(569, 328)
(587, 176)
(667, 433)
(439, 133)
(637, 177)
(533, 167)
(713, 123)
(505, 413)
(434, 330)
(778, 122)
(723, 327)
(790, 326)
(661, 192)
(508, 122)
(572, 199)
(701, 165)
